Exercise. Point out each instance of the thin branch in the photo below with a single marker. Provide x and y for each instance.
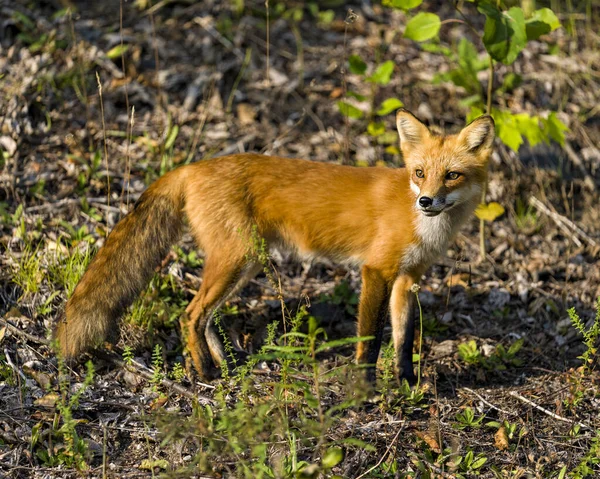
(489, 404)
(546, 411)
(565, 224)
(19, 332)
(381, 459)
(146, 373)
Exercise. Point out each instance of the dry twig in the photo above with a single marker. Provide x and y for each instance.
(515, 394)
(489, 404)
(564, 223)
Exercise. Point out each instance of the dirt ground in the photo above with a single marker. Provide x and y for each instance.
(204, 82)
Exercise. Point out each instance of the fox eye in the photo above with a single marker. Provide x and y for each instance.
(452, 175)
(419, 174)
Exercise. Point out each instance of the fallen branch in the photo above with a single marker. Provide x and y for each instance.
(564, 223)
(547, 412)
(19, 332)
(387, 451)
(588, 179)
(489, 404)
(138, 368)
(133, 367)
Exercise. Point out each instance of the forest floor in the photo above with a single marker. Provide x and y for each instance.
(504, 391)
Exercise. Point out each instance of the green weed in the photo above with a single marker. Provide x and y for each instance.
(65, 447)
(467, 418)
(590, 340)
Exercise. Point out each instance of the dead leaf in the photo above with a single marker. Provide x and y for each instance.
(159, 402)
(246, 113)
(336, 93)
(431, 439)
(501, 439)
(47, 401)
(459, 279)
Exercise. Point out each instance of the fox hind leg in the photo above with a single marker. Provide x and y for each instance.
(219, 279)
(215, 345)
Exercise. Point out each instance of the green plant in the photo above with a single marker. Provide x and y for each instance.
(379, 77)
(162, 304)
(590, 340)
(158, 365)
(467, 418)
(505, 34)
(67, 267)
(588, 467)
(28, 272)
(590, 335)
(469, 352)
(178, 372)
(470, 464)
(128, 354)
(511, 430)
(500, 359)
(526, 218)
(343, 295)
(7, 374)
(504, 357)
(65, 446)
(293, 409)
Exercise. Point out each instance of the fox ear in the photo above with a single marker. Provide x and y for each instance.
(479, 134)
(412, 132)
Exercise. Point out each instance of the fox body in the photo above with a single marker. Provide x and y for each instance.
(391, 222)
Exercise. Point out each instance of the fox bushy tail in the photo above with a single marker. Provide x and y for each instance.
(123, 266)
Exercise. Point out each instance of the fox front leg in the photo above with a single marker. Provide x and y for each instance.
(372, 314)
(403, 327)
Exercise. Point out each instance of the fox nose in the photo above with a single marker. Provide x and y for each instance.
(425, 201)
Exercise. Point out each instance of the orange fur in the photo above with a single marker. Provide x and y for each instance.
(369, 216)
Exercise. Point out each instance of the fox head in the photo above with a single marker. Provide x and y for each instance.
(445, 171)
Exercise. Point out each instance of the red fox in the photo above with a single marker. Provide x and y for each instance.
(391, 222)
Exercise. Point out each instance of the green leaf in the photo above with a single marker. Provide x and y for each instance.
(507, 129)
(388, 138)
(352, 441)
(358, 96)
(326, 17)
(489, 211)
(563, 473)
(357, 65)
(530, 128)
(494, 424)
(504, 34)
(376, 128)
(511, 81)
(388, 106)
(402, 4)
(555, 129)
(475, 112)
(541, 22)
(471, 100)
(478, 463)
(348, 110)
(172, 137)
(117, 51)
(423, 26)
(337, 343)
(383, 73)
(333, 457)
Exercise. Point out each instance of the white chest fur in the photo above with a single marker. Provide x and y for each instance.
(433, 237)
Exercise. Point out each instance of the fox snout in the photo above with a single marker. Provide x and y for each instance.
(431, 205)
